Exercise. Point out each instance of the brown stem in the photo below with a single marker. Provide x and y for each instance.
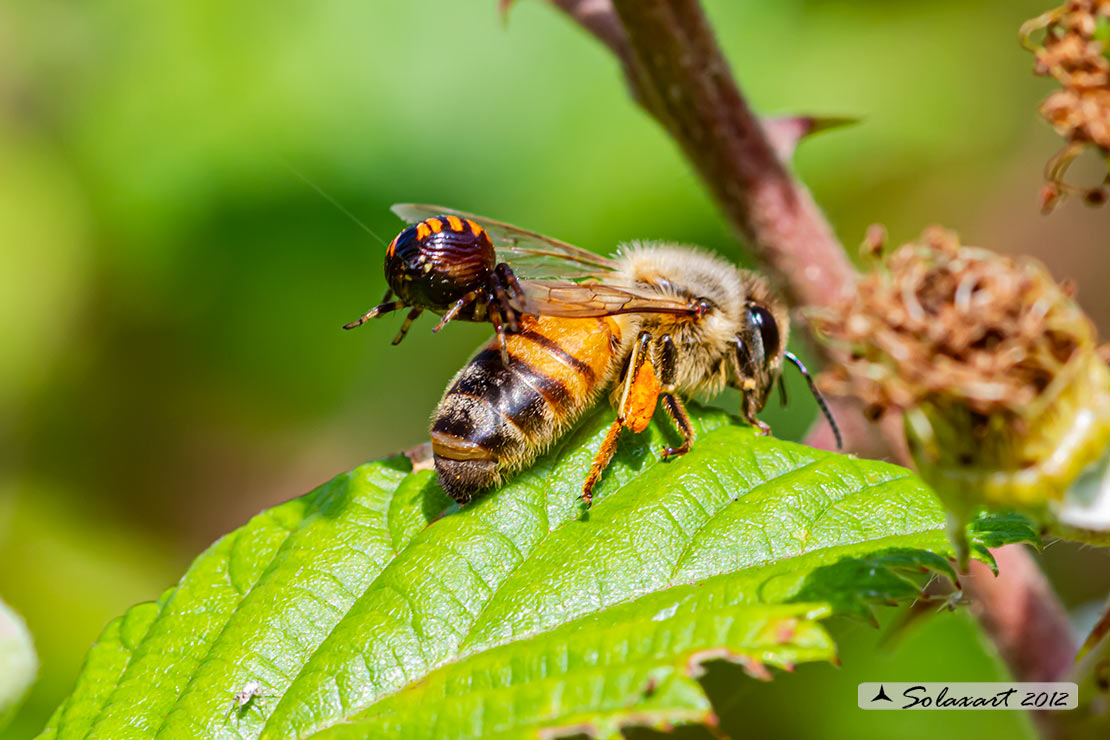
(1022, 615)
(677, 72)
(1024, 619)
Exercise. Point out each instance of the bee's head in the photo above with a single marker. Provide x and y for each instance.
(762, 324)
(759, 346)
(760, 351)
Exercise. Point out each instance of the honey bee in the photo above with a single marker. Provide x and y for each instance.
(655, 323)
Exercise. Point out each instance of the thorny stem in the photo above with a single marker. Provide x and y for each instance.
(676, 71)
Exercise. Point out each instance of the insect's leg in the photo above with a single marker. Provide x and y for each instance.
(609, 445)
(747, 369)
(640, 354)
(499, 327)
(386, 306)
(500, 282)
(750, 417)
(413, 314)
(747, 410)
(454, 310)
(677, 411)
(601, 461)
(668, 364)
(510, 279)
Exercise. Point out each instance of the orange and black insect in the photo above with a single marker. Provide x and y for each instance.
(446, 262)
(659, 321)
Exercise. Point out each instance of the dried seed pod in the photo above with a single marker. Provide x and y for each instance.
(1075, 50)
(996, 368)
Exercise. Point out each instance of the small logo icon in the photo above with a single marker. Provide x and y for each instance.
(882, 695)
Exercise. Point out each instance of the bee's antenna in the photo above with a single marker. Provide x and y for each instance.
(817, 396)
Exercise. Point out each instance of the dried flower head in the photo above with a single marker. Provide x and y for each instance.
(1075, 50)
(994, 365)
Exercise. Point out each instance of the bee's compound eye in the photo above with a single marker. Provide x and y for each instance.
(768, 328)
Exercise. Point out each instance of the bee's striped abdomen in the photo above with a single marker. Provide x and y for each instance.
(496, 418)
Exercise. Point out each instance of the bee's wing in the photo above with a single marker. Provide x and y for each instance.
(592, 299)
(531, 255)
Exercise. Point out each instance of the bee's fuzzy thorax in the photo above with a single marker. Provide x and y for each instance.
(691, 272)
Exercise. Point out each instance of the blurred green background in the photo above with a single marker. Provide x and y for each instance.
(171, 290)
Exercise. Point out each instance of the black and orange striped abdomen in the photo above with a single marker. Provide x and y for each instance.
(435, 262)
(495, 419)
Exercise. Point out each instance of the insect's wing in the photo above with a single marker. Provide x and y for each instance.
(546, 268)
(531, 255)
(592, 299)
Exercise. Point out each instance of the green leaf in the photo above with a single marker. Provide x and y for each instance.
(18, 663)
(374, 607)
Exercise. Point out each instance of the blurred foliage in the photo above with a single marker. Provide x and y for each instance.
(171, 291)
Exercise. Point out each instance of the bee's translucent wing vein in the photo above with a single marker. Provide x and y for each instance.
(594, 299)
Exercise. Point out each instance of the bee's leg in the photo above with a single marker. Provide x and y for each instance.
(677, 411)
(499, 327)
(502, 281)
(747, 368)
(454, 310)
(413, 314)
(763, 427)
(386, 306)
(668, 362)
(629, 412)
(601, 461)
(749, 410)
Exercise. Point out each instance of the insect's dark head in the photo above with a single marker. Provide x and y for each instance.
(762, 323)
(760, 351)
(433, 263)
